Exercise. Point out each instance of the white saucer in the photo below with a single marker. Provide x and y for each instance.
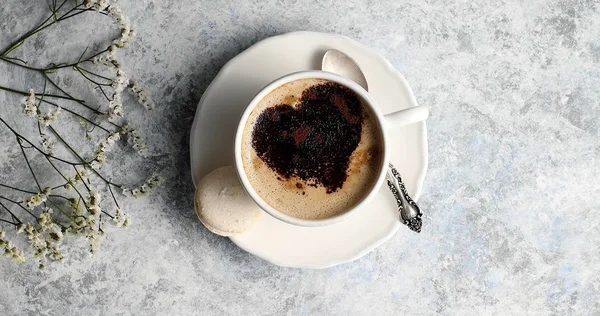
(212, 135)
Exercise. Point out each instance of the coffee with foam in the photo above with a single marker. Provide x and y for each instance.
(311, 149)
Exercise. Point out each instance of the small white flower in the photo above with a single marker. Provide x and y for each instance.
(93, 240)
(141, 95)
(55, 233)
(134, 138)
(115, 107)
(112, 138)
(82, 175)
(126, 191)
(70, 183)
(109, 58)
(136, 193)
(103, 147)
(94, 196)
(120, 218)
(51, 116)
(127, 33)
(29, 107)
(99, 5)
(45, 219)
(37, 199)
(95, 165)
(154, 181)
(48, 143)
(20, 228)
(93, 204)
(120, 81)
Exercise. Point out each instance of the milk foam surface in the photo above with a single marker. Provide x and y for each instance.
(294, 196)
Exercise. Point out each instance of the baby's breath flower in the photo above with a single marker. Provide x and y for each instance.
(120, 82)
(103, 147)
(149, 184)
(113, 138)
(29, 107)
(48, 143)
(136, 193)
(134, 138)
(93, 237)
(51, 116)
(82, 175)
(120, 218)
(37, 199)
(45, 219)
(95, 165)
(70, 183)
(11, 251)
(154, 181)
(20, 228)
(55, 233)
(126, 191)
(109, 58)
(127, 33)
(115, 107)
(99, 5)
(46, 234)
(76, 207)
(93, 203)
(141, 95)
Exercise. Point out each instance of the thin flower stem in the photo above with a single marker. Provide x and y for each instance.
(11, 213)
(17, 189)
(17, 59)
(47, 94)
(79, 116)
(6, 59)
(80, 177)
(107, 214)
(63, 176)
(59, 196)
(93, 73)
(90, 79)
(78, 13)
(69, 97)
(28, 164)
(5, 221)
(113, 196)
(106, 96)
(59, 186)
(19, 136)
(19, 204)
(60, 66)
(62, 211)
(66, 144)
(81, 158)
(43, 26)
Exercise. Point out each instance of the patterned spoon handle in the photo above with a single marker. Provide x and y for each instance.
(410, 213)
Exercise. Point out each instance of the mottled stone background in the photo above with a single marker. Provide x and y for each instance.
(511, 195)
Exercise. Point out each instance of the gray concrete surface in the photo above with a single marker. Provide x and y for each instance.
(511, 196)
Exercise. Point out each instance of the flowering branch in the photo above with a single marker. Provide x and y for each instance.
(82, 209)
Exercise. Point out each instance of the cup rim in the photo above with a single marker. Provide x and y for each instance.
(308, 74)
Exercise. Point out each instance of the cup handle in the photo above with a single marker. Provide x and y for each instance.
(407, 116)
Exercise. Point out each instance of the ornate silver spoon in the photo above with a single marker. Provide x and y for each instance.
(410, 214)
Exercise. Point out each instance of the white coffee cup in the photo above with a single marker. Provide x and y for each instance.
(402, 117)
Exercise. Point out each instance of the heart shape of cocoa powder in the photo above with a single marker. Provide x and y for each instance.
(314, 140)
